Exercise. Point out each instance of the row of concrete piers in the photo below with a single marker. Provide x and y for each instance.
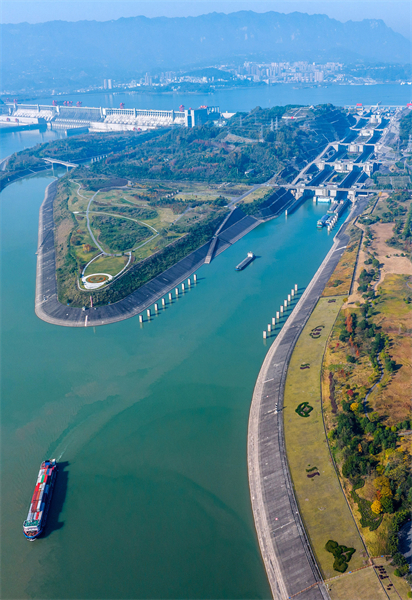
(332, 223)
(271, 327)
(170, 298)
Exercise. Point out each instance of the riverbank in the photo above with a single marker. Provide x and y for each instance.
(248, 98)
(154, 407)
(13, 177)
(316, 485)
(286, 551)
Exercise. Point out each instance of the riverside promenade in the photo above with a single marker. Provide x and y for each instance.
(49, 309)
(290, 565)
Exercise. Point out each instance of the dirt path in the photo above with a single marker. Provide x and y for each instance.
(360, 264)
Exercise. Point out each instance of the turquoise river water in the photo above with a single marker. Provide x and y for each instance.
(245, 99)
(149, 422)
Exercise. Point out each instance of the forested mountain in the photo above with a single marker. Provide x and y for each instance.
(58, 51)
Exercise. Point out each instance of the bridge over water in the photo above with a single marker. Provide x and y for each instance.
(66, 164)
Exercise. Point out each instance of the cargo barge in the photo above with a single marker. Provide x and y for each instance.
(40, 502)
(323, 221)
(250, 257)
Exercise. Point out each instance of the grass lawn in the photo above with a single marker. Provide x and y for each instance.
(117, 234)
(154, 245)
(322, 504)
(76, 202)
(400, 584)
(255, 195)
(400, 181)
(80, 240)
(362, 585)
(165, 216)
(341, 278)
(189, 191)
(107, 264)
(198, 196)
(393, 396)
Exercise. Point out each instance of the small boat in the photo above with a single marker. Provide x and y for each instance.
(250, 257)
(40, 502)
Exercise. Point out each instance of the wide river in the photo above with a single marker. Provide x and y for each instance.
(246, 99)
(148, 422)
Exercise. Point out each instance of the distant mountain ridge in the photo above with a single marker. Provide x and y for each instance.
(90, 50)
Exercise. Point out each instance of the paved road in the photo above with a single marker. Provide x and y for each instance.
(289, 562)
(88, 221)
(49, 309)
(239, 198)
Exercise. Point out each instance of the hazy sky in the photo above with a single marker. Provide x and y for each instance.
(395, 13)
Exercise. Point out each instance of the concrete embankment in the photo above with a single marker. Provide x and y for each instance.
(49, 309)
(15, 176)
(286, 551)
(235, 226)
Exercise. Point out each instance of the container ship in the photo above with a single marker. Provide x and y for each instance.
(249, 258)
(40, 502)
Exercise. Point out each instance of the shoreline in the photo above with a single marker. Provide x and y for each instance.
(20, 175)
(49, 309)
(116, 91)
(285, 547)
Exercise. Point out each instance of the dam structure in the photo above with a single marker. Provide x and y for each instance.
(82, 119)
(290, 565)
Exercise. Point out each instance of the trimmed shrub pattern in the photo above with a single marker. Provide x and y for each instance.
(342, 555)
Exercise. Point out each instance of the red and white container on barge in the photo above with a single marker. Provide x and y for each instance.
(40, 502)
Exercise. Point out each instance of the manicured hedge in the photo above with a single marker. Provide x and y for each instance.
(342, 555)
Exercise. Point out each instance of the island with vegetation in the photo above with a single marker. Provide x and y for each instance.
(156, 197)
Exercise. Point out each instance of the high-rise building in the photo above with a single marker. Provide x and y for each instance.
(105, 84)
(109, 84)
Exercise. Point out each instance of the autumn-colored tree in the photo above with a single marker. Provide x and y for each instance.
(397, 468)
(354, 406)
(350, 393)
(382, 484)
(357, 353)
(376, 507)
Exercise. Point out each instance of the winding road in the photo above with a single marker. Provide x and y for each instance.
(88, 211)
